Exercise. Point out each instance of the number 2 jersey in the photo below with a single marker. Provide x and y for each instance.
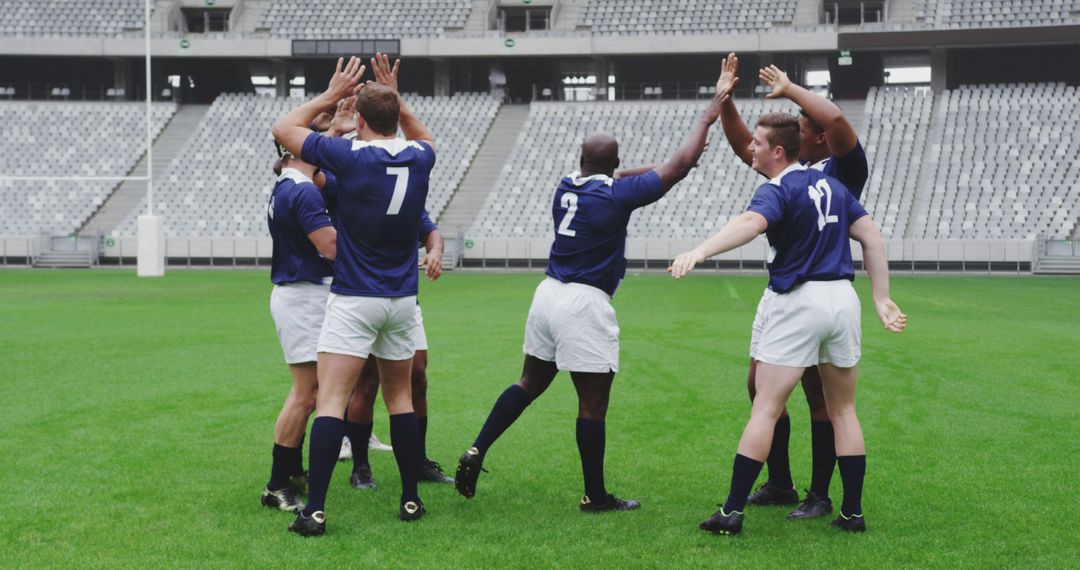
(591, 215)
(381, 189)
(809, 216)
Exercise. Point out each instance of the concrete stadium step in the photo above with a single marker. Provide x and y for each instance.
(127, 195)
(924, 188)
(251, 15)
(567, 14)
(483, 173)
(59, 259)
(480, 15)
(901, 11)
(1057, 265)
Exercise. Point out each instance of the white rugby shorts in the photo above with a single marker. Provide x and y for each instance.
(574, 326)
(361, 326)
(419, 334)
(298, 310)
(818, 322)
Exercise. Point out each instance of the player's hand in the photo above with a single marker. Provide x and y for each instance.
(777, 80)
(345, 117)
(346, 76)
(684, 263)
(385, 74)
(890, 315)
(728, 78)
(433, 265)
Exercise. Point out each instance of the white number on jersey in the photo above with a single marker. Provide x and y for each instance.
(817, 192)
(401, 173)
(569, 201)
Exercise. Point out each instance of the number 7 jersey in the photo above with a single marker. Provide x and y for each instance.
(590, 216)
(382, 186)
(809, 216)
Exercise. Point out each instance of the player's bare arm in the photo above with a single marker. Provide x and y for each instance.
(736, 233)
(411, 125)
(293, 128)
(688, 155)
(325, 241)
(434, 245)
(839, 133)
(344, 121)
(866, 232)
(735, 130)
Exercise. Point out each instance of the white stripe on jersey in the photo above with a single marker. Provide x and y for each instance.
(392, 146)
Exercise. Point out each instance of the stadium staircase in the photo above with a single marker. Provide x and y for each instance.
(568, 14)
(251, 16)
(1056, 257)
(931, 154)
(807, 13)
(484, 171)
(127, 195)
(479, 19)
(901, 11)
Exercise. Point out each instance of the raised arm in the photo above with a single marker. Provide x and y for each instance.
(839, 133)
(293, 128)
(736, 233)
(686, 158)
(411, 125)
(866, 232)
(735, 130)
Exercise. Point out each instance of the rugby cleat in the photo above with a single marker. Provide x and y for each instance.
(375, 445)
(431, 472)
(813, 506)
(315, 525)
(723, 523)
(283, 499)
(768, 494)
(299, 483)
(468, 471)
(612, 503)
(361, 478)
(853, 523)
(411, 510)
(346, 449)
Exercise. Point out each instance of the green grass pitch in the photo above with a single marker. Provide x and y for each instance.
(138, 414)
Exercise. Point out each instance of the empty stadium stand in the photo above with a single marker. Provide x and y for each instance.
(365, 18)
(64, 18)
(67, 139)
(647, 17)
(219, 183)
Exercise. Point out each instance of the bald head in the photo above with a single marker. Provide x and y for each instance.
(599, 154)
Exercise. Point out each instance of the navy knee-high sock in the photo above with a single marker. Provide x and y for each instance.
(778, 461)
(404, 436)
(279, 469)
(297, 463)
(591, 442)
(824, 448)
(507, 408)
(852, 473)
(743, 474)
(358, 437)
(326, 435)
(422, 425)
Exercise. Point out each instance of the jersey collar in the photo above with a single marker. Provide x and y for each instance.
(791, 168)
(392, 146)
(294, 175)
(821, 164)
(575, 177)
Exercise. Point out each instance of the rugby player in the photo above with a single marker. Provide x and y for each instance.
(829, 144)
(304, 247)
(571, 325)
(810, 314)
(382, 186)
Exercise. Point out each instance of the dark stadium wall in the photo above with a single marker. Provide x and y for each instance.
(38, 74)
(854, 81)
(1014, 65)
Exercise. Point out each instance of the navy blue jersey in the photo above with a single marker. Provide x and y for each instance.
(809, 217)
(329, 191)
(851, 169)
(296, 209)
(381, 189)
(590, 217)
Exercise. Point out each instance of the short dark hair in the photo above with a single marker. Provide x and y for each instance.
(813, 124)
(379, 107)
(783, 132)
